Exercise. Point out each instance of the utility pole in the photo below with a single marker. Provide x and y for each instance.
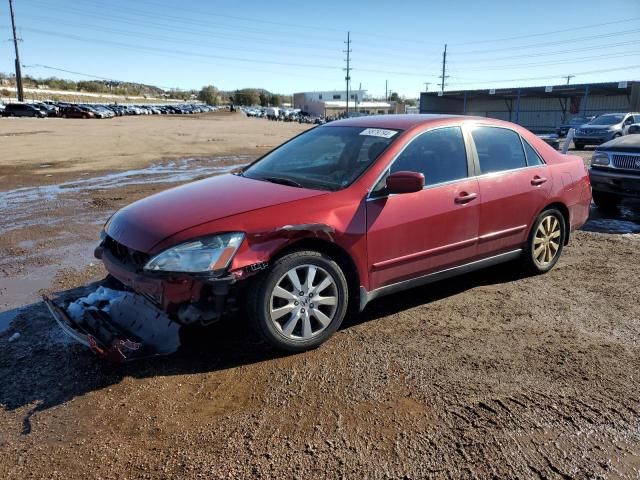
(348, 69)
(386, 90)
(568, 77)
(15, 44)
(444, 75)
(426, 86)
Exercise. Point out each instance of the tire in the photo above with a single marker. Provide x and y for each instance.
(300, 324)
(578, 145)
(606, 200)
(549, 232)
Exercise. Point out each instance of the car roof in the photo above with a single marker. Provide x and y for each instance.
(399, 121)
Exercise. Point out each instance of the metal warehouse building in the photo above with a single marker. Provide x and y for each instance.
(539, 109)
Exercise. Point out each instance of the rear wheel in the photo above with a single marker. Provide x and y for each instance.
(578, 145)
(545, 242)
(606, 200)
(300, 301)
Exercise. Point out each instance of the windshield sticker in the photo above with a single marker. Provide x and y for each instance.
(378, 132)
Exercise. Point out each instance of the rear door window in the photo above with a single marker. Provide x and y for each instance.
(533, 158)
(439, 154)
(499, 149)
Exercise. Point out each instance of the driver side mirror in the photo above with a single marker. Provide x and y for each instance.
(405, 182)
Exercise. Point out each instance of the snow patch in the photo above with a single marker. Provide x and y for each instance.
(102, 299)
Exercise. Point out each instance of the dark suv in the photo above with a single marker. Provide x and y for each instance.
(22, 110)
(615, 171)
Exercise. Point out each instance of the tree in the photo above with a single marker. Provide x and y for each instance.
(246, 96)
(275, 100)
(394, 97)
(209, 95)
(264, 98)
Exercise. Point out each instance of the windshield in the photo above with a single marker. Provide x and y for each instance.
(328, 158)
(611, 119)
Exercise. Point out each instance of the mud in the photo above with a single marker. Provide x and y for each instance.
(490, 375)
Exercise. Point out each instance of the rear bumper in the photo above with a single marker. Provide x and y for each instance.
(620, 183)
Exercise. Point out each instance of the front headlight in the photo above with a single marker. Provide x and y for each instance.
(208, 254)
(600, 158)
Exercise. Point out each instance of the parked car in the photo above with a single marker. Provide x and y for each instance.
(22, 110)
(49, 110)
(574, 122)
(75, 111)
(615, 171)
(604, 128)
(550, 139)
(340, 215)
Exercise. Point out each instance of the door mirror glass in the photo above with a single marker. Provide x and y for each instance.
(405, 182)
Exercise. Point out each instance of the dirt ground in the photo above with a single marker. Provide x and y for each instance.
(490, 375)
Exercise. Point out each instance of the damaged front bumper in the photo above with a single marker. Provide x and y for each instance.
(125, 328)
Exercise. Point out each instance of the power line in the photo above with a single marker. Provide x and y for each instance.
(631, 67)
(552, 32)
(176, 25)
(156, 50)
(553, 62)
(556, 52)
(555, 42)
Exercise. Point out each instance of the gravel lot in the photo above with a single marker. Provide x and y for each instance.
(490, 375)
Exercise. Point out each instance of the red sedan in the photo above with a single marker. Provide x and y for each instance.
(344, 213)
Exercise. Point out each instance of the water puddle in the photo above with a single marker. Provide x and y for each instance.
(623, 220)
(21, 205)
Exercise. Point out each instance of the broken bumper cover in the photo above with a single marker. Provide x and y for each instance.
(131, 327)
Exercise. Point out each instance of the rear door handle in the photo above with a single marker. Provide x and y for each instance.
(538, 180)
(465, 197)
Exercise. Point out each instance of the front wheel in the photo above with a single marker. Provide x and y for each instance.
(545, 242)
(300, 301)
(606, 200)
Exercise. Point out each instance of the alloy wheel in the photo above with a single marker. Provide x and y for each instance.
(303, 302)
(546, 242)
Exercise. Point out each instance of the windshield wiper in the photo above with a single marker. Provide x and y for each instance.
(283, 181)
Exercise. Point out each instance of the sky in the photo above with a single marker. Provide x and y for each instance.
(292, 46)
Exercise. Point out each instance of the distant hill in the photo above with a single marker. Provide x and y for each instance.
(98, 86)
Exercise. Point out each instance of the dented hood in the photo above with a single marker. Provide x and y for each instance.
(145, 223)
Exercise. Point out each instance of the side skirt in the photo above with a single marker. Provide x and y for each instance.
(366, 297)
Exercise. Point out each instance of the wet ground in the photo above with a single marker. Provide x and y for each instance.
(490, 375)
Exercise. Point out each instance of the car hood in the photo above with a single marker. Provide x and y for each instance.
(143, 224)
(627, 143)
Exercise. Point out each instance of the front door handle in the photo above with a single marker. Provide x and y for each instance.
(538, 180)
(465, 197)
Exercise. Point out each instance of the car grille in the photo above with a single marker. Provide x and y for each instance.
(629, 162)
(125, 254)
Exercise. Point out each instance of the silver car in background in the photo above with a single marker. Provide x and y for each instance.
(604, 128)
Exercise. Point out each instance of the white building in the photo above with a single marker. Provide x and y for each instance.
(334, 102)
